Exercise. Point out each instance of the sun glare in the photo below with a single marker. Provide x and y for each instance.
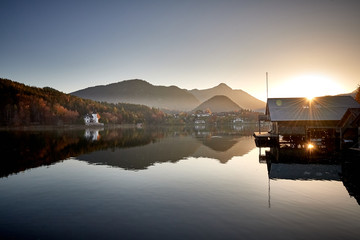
(308, 86)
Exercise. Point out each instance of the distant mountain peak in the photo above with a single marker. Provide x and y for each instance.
(223, 86)
(219, 103)
(133, 81)
(241, 98)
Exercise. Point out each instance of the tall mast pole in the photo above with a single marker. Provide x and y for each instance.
(267, 87)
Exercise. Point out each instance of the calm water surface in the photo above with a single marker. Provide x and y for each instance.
(174, 184)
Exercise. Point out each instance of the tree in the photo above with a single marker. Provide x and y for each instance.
(357, 95)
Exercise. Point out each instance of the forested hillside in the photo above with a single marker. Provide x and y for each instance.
(25, 105)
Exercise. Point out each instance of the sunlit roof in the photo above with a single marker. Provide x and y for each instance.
(330, 108)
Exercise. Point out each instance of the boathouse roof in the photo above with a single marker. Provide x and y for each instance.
(329, 108)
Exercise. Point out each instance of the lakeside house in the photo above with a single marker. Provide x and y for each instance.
(324, 121)
(238, 120)
(92, 119)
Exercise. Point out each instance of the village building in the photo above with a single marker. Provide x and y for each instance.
(200, 121)
(322, 120)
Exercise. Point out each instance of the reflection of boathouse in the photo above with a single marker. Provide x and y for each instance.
(294, 171)
(291, 164)
(324, 122)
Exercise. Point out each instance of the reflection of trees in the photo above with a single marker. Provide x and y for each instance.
(219, 143)
(28, 149)
(23, 150)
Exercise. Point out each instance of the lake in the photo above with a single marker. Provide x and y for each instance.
(170, 183)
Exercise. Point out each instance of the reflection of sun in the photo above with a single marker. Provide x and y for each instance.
(309, 86)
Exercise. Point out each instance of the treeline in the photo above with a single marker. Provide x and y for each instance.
(25, 105)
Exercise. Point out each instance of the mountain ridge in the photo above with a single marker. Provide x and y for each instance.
(138, 91)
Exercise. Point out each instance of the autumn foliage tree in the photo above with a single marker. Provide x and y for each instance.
(357, 95)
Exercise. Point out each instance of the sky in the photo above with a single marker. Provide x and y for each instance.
(308, 47)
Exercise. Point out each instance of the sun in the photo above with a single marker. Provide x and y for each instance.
(309, 86)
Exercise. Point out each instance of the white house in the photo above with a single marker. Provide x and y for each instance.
(92, 119)
(238, 120)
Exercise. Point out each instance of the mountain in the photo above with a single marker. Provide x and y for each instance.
(141, 92)
(219, 103)
(138, 91)
(241, 98)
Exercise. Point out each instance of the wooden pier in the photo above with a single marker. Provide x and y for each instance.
(266, 139)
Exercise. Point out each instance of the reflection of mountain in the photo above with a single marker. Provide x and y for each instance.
(219, 143)
(171, 149)
(224, 148)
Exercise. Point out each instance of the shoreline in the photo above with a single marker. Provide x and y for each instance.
(64, 127)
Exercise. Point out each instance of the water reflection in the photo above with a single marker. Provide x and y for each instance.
(297, 164)
(304, 171)
(172, 146)
(137, 149)
(128, 148)
(171, 149)
(196, 198)
(28, 149)
(93, 134)
(351, 178)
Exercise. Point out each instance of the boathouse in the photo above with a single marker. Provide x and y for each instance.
(321, 120)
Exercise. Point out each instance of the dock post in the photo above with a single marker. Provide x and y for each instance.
(341, 140)
(259, 124)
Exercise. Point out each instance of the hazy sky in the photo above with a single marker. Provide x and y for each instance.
(305, 45)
